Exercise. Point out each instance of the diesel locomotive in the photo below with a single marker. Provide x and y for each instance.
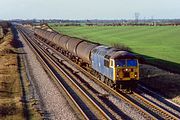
(118, 69)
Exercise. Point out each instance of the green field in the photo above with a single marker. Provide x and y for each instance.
(161, 42)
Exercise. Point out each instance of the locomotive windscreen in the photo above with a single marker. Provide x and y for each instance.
(120, 63)
(123, 63)
(131, 62)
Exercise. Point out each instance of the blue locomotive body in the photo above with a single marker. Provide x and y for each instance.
(115, 67)
(98, 62)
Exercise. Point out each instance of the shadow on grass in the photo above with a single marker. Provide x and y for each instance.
(162, 64)
(16, 42)
(160, 81)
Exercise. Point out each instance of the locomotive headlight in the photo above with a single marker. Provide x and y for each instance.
(135, 75)
(126, 70)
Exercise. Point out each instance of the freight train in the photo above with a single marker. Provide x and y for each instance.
(118, 69)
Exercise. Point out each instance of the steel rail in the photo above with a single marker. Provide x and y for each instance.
(100, 114)
(106, 87)
(156, 109)
(164, 114)
(50, 72)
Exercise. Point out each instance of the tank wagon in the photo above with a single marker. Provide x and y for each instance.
(118, 69)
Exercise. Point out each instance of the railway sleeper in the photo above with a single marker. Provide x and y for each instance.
(80, 62)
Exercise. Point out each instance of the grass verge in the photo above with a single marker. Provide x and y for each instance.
(11, 104)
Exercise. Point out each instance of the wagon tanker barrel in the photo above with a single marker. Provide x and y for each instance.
(72, 45)
(44, 33)
(56, 38)
(84, 50)
(119, 68)
(76, 46)
(39, 32)
(47, 35)
(51, 36)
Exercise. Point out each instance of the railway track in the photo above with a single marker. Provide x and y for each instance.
(111, 91)
(86, 107)
(154, 112)
(157, 99)
(115, 114)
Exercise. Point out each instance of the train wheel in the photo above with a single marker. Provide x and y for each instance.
(117, 87)
(110, 83)
(127, 91)
(106, 81)
(114, 87)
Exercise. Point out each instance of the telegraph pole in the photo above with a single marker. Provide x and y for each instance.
(136, 14)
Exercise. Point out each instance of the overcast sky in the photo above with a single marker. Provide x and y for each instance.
(88, 9)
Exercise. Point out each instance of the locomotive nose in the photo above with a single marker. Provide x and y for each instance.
(129, 73)
(126, 74)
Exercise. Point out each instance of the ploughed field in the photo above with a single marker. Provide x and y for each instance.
(161, 42)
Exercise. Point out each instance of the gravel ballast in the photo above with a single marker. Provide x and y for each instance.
(58, 107)
(163, 82)
(54, 103)
(119, 104)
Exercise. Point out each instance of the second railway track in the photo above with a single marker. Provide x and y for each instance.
(156, 112)
(113, 92)
(88, 109)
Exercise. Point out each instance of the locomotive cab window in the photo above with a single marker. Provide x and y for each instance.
(131, 62)
(106, 62)
(120, 63)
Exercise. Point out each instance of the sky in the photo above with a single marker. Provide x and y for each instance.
(89, 9)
